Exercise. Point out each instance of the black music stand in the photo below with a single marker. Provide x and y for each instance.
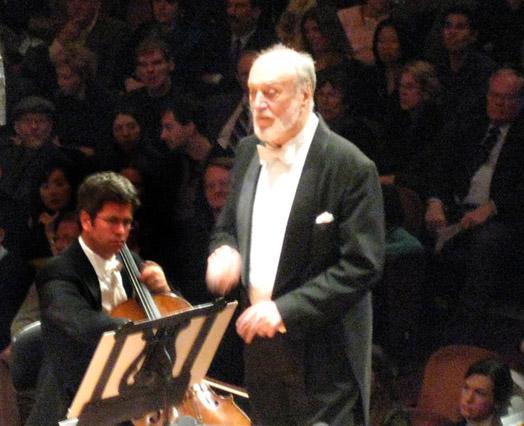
(147, 366)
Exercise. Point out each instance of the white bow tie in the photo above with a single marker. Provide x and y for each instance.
(268, 155)
(113, 265)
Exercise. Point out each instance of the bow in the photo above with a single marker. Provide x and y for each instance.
(269, 155)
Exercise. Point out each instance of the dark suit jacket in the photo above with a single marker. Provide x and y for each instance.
(456, 167)
(72, 317)
(326, 270)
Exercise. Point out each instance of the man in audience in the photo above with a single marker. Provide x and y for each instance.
(229, 115)
(479, 186)
(463, 70)
(154, 72)
(178, 206)
(246, 31)
(24, 155)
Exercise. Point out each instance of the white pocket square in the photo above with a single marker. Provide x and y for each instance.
(325, 217)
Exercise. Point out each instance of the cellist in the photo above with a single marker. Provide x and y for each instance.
(79, 289)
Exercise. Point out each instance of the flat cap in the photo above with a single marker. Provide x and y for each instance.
(33, 104)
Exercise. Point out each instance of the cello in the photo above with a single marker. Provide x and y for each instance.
(200, 404)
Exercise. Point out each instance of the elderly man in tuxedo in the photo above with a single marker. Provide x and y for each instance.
(303, 233)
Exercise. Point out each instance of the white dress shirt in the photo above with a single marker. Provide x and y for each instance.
(109, 278)
(276, 188)
(481, 181)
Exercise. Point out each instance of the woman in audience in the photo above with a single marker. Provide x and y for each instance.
(53, 197)
(360, 22)
(82, 105)
(378, 90)
(334, 102)
(324, 39)
(486, 393)
(127, 144)
(411, 128)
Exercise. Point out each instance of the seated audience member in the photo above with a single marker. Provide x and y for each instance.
(488, 387)
(360, 22)
(79, 288)
(385, 406)
(53, 195)
(66, 232)
(229, 117)
(154, 68)
(128, 143)
(377, 90)
(82, 105)
(27, 151)
(478, 185)
(410, 129)
(106, 37)
(186, 34)
(217, 182)
(245, 29)
(178, 206)
(324, 40)
(288, 25)
(462, 69)
(334, 102)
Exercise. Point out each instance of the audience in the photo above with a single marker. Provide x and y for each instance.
(477, 185)
(462, 68)
(488, 387)
(411, 126)
(52, 197)
(82, 104)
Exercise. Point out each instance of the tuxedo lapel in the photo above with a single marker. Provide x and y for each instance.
(245, 212)
(85, 271)
(295, 248)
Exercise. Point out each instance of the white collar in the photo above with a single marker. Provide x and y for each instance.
(102, 266)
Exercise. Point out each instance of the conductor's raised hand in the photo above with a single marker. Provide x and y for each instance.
(223, 270)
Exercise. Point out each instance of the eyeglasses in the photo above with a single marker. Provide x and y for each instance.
(115, 221)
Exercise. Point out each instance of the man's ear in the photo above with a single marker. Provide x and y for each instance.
(86, 222)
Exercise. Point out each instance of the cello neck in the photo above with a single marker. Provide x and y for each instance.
(141, 291)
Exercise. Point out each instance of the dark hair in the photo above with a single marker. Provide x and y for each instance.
(188, 110)
(105, 187)
(126, 108)
(329, 25)
(407, 48)
(462, 9)
(338, 79)
(499, 374)
(153, 44)
(71, 175)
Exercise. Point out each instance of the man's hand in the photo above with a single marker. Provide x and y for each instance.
(154, 278)
(223, 270)
(478, 216)
(261, 319)
(435, 217)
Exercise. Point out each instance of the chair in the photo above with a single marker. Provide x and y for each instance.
(26, 357)
(413, 210)
(438, 402)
